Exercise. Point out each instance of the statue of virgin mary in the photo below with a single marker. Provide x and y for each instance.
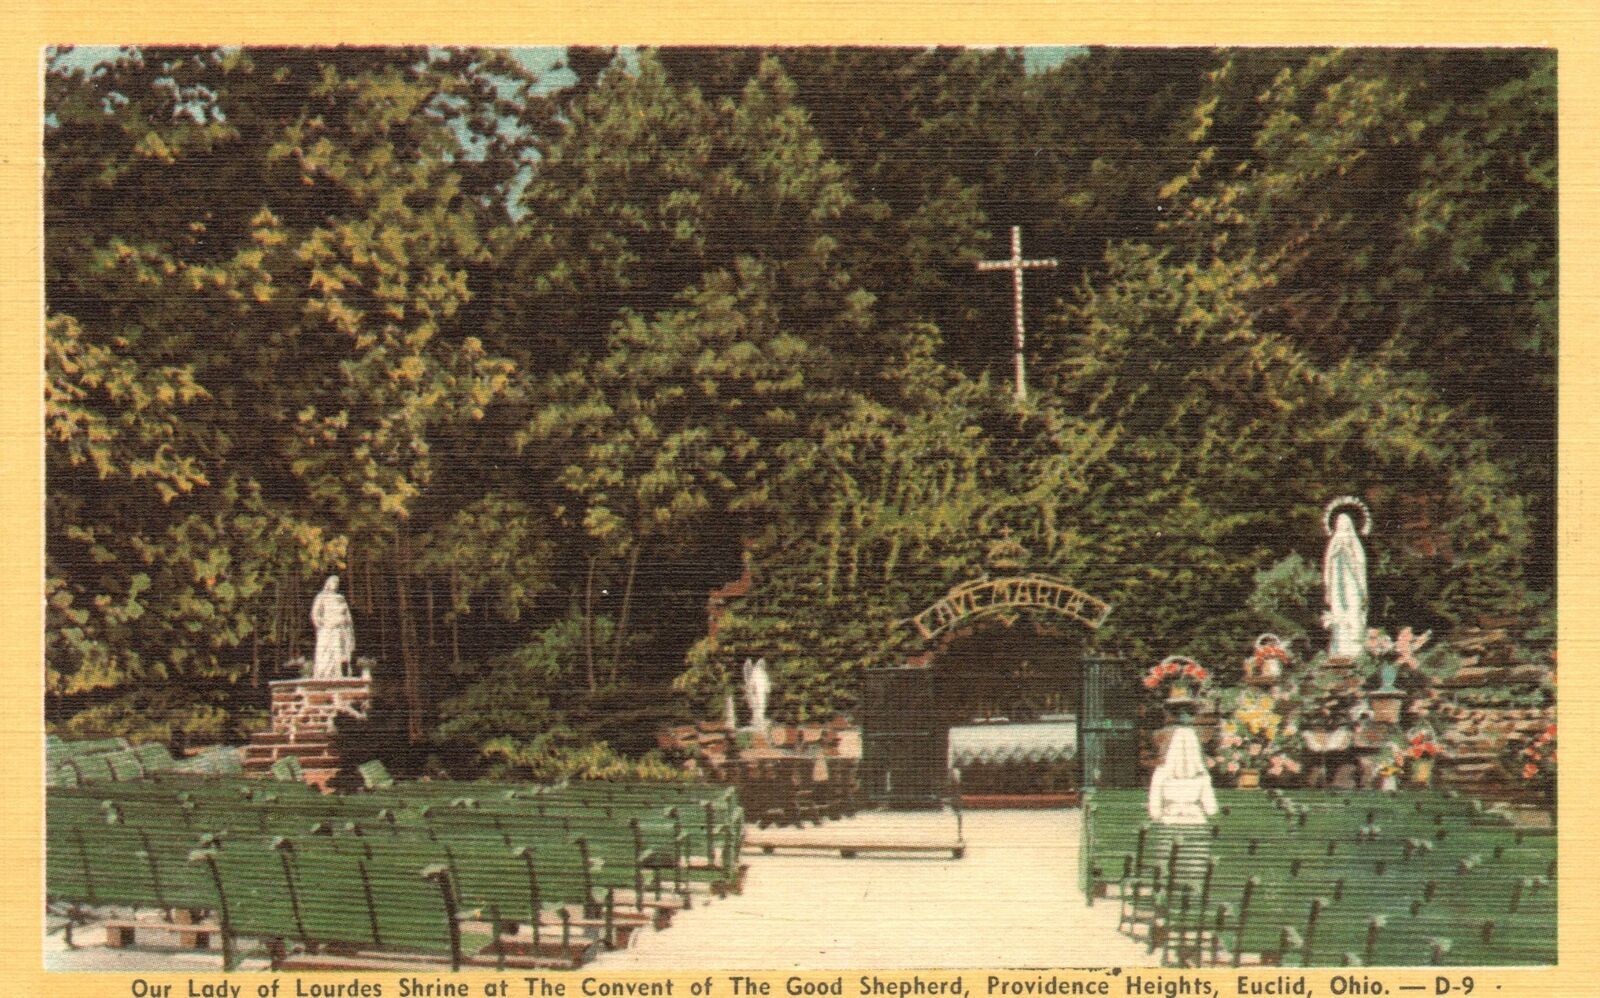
(1344, 584)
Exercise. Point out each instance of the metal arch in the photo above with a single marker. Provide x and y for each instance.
(984, 596)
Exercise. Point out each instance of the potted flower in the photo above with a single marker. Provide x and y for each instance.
(1255, 739)
(1177, 678)
(1268, 662)
(1385, 657)
(1420, 751)
(1411, 759)
(1534, 764)
(1391, 766)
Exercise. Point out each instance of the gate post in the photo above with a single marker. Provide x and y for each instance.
(1108, 745)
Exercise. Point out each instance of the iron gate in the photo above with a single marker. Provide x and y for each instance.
(1108, 745)
(1108, 726)
(905, 738)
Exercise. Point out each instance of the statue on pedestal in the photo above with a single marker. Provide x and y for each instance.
(336, 632)
(1344, 580)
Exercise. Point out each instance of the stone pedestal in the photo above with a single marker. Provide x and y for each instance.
(305, 713)
(1386, 706)
(310, 706)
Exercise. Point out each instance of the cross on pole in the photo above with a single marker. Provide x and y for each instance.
(1017, 265)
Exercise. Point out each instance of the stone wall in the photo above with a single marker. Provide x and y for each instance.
(305, 713)
(310, 706)
(1498, 701)
(1502, 697)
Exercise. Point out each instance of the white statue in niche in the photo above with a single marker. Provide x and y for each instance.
(1344, 581)
(757, 687)
(336, 632)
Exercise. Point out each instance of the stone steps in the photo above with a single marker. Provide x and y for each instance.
(290, 738)
(305, 718)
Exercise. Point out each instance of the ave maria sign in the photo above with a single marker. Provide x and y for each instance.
(983, 596)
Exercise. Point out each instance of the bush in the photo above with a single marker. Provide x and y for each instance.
(559, 756)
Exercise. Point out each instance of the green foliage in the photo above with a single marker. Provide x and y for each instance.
(559, 755)
(1405, 202)
(532, 368)
(168, 716)
(1285, 596)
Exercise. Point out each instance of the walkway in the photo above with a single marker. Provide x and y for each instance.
(1013, 901)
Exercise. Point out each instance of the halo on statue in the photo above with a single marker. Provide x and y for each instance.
(1346, 502)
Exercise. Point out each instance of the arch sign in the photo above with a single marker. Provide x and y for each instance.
(983, 596)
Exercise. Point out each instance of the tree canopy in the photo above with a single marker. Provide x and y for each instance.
(534, 365)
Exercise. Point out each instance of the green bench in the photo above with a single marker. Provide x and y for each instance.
(375, 775)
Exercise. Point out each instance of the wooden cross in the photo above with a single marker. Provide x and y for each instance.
(1017, 265)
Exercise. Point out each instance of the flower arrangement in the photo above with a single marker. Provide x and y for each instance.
(1538, 759)
(1412, 757)
(1389, 654)
(1176, 677)
(1256, 738)
(1392, 763)
(1268, 662)
(1422, 746)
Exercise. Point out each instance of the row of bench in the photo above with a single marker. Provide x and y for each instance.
(1328, 878)
(468, 873)
(784, 790)
(113, 760)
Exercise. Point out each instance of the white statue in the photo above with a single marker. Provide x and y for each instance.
(1180, 788)
(1344, 586)
(336, 632)
(757, 686)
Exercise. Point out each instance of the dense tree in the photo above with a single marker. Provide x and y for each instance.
(254, 264)
(534, 366)
(1405, 203)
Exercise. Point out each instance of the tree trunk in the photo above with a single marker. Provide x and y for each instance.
(383, 620)
(294, 615)
(588, 625)
(405, 631)
(431, 642)
(455, 617)
(622, 617)
(255, 652)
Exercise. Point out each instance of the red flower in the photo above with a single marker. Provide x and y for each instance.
(1530, 771)
(1151, 682)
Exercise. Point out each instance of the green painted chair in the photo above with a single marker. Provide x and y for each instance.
(375, 775)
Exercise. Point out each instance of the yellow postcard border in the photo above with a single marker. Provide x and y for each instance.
(1572, 27)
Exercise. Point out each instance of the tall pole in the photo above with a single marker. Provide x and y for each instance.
(1016, 264)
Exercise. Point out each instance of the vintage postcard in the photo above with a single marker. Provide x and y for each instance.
(616, 513)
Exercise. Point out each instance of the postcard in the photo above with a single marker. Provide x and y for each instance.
(848, 515)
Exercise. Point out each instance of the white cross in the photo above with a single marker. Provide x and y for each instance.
(1017, 265)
